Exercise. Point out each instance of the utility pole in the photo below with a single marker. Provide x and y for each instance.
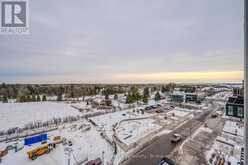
(68, 152)
(246, 76)
(103, 157)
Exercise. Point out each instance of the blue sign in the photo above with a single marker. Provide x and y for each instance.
(35, 139)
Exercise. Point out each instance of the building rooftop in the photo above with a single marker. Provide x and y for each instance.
(236, 100)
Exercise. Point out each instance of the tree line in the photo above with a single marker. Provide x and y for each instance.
(31, 98)
(26, 92)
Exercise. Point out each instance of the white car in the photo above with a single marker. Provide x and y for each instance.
(176, 138)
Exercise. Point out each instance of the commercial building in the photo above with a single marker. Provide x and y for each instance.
(235, 107)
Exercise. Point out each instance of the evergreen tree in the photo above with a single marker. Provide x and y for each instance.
(115, 97)
(59, 97)
(146, 92)
(44, 98)
(163, 90)
(5, 99)
(129, 98)
(22, 99)
(27, 98)
(106, 96)
(133, 95)
(38, 98)
(145, 99)
(33, 98)
(72, 95)
(60, 93)
(157, 96)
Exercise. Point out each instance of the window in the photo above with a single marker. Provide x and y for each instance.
(230, 110)
(240, 111)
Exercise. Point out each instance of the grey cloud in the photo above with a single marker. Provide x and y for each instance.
(113, 36)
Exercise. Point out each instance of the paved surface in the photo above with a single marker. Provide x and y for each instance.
(151, 154)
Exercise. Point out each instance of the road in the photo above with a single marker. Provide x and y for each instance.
(151, 154)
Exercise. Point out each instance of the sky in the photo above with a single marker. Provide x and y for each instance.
(127, 41)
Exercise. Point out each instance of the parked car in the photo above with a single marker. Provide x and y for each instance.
(159, 105)
(166, 161)
(148, 108)
(69, 143)
(214, 115)
(176, 138)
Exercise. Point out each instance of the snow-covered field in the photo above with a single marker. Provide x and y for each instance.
(19, 114)
(107, 121)
(131, 131)
(86, 144)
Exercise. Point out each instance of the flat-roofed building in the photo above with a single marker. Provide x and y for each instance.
(235, 107)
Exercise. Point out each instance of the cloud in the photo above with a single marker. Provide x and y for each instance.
(133, 36)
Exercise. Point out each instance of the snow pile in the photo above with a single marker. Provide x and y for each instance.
(131, 131)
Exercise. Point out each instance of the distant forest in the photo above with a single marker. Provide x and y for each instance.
(17, 91)
(13, 91)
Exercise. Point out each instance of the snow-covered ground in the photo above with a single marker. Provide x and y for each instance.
(233, 127)
(179, 112)
(107, 121)
(86, 144)
(228, 145)
(226, 149)
(131, 131)
(19, 114)
(221, 96)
